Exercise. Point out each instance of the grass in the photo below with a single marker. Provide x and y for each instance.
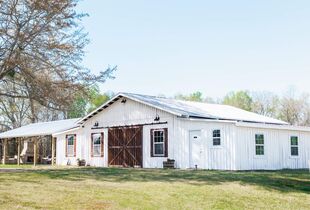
(22, 166)
(114, 188)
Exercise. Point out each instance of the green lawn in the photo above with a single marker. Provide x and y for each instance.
(22, 166)
(112, 188)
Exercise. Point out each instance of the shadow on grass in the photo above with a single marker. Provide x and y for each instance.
(283, 180)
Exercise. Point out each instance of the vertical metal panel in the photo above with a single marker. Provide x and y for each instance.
(236, 152)
(213, 157)
(119, 114)
(277, 149)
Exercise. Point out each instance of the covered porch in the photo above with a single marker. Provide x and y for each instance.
(29, 150)
(33, 143)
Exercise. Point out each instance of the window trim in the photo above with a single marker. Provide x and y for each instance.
(74, 145)
(164, 143)
(220, 138)
(264, 145)
(297, 146)
(101, 145)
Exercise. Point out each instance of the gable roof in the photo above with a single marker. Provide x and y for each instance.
(40, 129)
(189, 109)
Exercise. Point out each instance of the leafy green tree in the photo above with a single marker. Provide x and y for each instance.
(99, 99)
(195, 96)
(84, 104)
(78, 107)
(240, 99)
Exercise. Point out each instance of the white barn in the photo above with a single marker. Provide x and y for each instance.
(143, 131)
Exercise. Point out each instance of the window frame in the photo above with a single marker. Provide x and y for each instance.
(260, 145)
(101, 145)
(216, 138)
(295, 146)
(73, 145)
(163, 142)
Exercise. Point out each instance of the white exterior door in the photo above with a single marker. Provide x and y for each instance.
(195, 152)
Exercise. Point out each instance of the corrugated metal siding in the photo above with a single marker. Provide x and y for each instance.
(128, 113)
(237, 150)
(119, 114)
(61, 158)
(277, 149)
(213, 157)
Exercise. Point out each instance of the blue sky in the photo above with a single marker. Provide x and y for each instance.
(169, 46)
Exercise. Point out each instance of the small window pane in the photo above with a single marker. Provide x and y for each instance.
(70, 139)
(158, 136)
(159, 149)
(259, 150)
(70, 150)
(294, 140)
(216, 133)
(294, 151)
(216, 141)
(97, 138)
(97, 150)
(259, 139)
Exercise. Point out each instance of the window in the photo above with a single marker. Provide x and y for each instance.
(294, 146)
(159, 143)
(216, 137)
(70, 145)
(97, 144)
(259, 144)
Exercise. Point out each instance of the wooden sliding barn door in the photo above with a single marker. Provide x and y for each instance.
(125, 146)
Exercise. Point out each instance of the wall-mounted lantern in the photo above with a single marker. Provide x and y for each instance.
(157, 118)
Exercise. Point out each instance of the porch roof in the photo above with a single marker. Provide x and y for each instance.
(40, 129)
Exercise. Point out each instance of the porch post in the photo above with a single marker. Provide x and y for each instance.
(53, 150)
(4, 151)
(18, 151)
(35, 152)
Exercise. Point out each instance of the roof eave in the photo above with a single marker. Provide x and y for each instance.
(236, 120)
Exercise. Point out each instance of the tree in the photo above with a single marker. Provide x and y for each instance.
(195, 96)
(78, 107)
(13, 111)
(83, 105)
(294, 109)
(265, 103)
(98, 99)
(41, 50)
(240, 99)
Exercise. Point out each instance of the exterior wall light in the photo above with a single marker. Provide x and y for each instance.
(157, 118)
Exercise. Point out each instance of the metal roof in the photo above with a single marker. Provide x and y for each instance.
(40, 129)
(278, 127)
(188, 109)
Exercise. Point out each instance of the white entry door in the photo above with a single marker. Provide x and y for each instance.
(195, 153)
